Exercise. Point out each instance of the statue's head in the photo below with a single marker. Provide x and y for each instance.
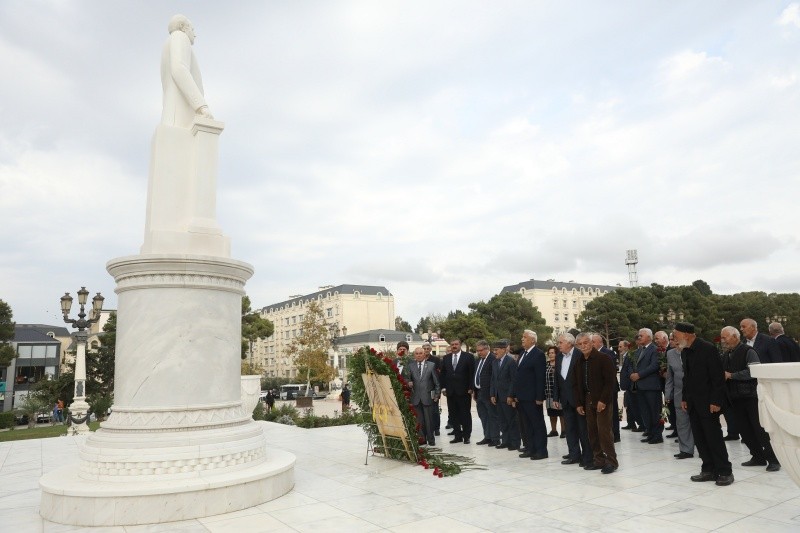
(181, 23)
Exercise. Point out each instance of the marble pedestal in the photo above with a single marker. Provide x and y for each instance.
(179, 444)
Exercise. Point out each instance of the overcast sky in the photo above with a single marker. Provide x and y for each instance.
(442, 149)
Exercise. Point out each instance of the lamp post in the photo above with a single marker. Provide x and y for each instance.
(79, 409)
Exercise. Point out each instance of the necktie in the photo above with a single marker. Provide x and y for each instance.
(455, 361)
(521, 357)
(419, 365)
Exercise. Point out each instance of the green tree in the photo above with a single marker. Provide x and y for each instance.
(431, 322)
(7, 353)
(310, 348)
(469, 328)
(254, 327)
(402, 325)
(100, 363)
(508, 314)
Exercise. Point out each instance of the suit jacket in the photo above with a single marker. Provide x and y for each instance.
(626, 370)
(503, 377)
(673, 389)
(564, 392)
(703, 377)
(647, 367)
(602, 378)
(485, 378)
(790, 350)
(767, 349)
(424, 382)
(530, 379)
(458, 380)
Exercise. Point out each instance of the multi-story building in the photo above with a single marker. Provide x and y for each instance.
(347, 309)
(559, 302)
(38, 355)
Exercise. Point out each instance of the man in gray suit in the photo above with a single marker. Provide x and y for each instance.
(673, 391)
(501, 390)
(648, 386)
(424, 389)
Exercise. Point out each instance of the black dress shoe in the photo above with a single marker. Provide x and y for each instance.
(553, 434)
(452, 433)
(522, 449)
(722, 481)
(592, 467)
(563, 435)
(525, 455)
(646, 439)
(657, 440)
(646, 434)
(501, 446)
(704, 476)
(608, 469)
(565, 456)
(466, 441)
(773, 467)
(638, 430)
(755, 462)
(538, 456)
(683, 455)
(456, 440)
(495, 443)
(436, 432)
(513, 448)
(570, 461)
(672, 435)
(432, 442)
(482, 442)
(731, 437)
(617, 439)
(628, 427)
(448, 426)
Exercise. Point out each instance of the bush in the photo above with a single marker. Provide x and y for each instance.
(258, 412)
(284, 410)
(100, 405)
(285, 419)
(7, 420)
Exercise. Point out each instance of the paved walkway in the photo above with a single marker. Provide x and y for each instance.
(335, 491)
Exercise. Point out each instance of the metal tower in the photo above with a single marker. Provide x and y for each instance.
(631, 261)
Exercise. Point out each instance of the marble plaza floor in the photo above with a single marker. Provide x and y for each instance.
(335, 491)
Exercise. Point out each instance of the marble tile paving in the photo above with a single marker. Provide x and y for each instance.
(336, 491)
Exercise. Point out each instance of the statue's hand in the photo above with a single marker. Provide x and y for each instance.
(204, 112)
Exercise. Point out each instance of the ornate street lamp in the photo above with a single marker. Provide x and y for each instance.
(79, 409)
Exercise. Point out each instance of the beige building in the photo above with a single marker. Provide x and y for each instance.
(559, 302)
(348, 309)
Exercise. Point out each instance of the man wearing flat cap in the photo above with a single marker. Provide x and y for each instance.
(703, 395)
(501, 391)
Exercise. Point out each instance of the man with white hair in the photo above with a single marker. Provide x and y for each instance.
(736, 361)
(648, 385)
(529, 395)
(580, 451)
(764, 345)
(790, 350)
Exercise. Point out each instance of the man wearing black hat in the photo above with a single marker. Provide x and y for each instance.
(703, 394)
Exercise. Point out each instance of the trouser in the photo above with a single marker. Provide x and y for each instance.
(437, 416)
(684, 428)
(509, 430)
(631, 400)
(533, 414)
(577, 435)
(651, 403)
(615, 416)
(673, 412)
(489, 418)
(459, 406)
(731, 423)
(425, 417)
(707, 433)
(601, 436)
(753, 435)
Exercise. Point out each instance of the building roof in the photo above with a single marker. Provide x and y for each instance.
(549, 284)
(30, 335)
(369, 290)
(374, 335)
(58, 331)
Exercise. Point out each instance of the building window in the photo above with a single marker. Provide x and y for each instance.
(408, 337)
(564, 301)
(294, 320)
(356, 294)
(382, 338)
(566, 317)
(51, 334)
(329, 312)
(555, 303)
(574, 304)
(556, 317)
(380, 296)
(575, 317)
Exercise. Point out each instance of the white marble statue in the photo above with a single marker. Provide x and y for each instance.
(180, 76)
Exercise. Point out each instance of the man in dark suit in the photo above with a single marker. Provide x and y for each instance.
(593, 388)
(580, 451)
(599, 345)
(703, 394)
(630, 398)
(764, 345)
(458, 369)
(487, 411)
(504, 373)
(529, 395)
(648, 385)
(424, 388)
(790, 350)
(429, 356)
